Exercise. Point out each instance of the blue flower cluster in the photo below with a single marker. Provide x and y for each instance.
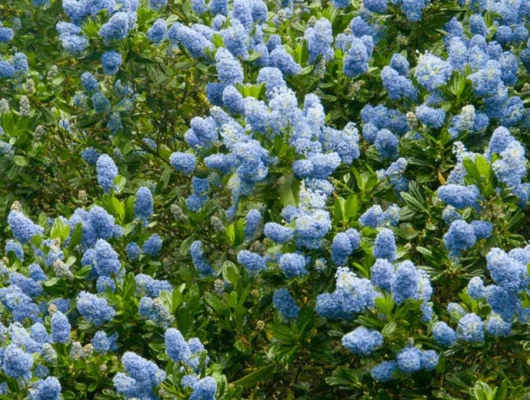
(140, 378)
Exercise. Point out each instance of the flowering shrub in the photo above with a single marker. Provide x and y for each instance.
(264, 199)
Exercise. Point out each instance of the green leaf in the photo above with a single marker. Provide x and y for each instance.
(60, 230)
(20, 161)
(230, 272)
(352, 206)
(483, 166)
(339, 210)
(231, 234)
(76, 236)
(51, 282)
(288, 189)
(71, 260)
(502, 392)
(471, 169)
(389, 329)
(385, 304)
(255, 377)
(119, 183)
(213, 301)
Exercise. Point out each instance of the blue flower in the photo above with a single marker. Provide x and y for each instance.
(90, 84)
(150, 286)
(133, 251)
(429, 360)
(94, 309)
(188, 381)
(100, 103)
(357, 57)
(153, 245)
(22, 227)
(106, 259)
(487, 81)
(111, 62)
(229, 70)
(385, 245)
(282, 60)
(471, 329)
(107, 171)
(382, 274)
(141, 378)
(383, 372)
(105, 283)
(373, 217)
(285, 304)
(36, 273)
(406, 282)
(431, 117)
(362, 341)
(293, 265)
(475, 288)
(16, 363)
(459, 237)
(60, 328)
(219, 7)
(143, 205)
(444, 334)
(158, 32)
(376, 6)
(183, 162)
(233, 100)
(483, 229)
(15, 248)
(6, 70)
(193, 41)
(154, 311)
(27, 285)
(176, 346)
(278, 233)
(47, 389)
(157, 4)
(6, 34)
(252, 223)
(341, 3)
(341, 248)
(387, 144)
(251, 261)
(409, 359)
(199, 7)
(459, 196)
(352, 295)
(241, 11)
(90, 155)
(116, 28)
(20, 63)
(272, 78)
(506, 271)
(319, 40)
(413, 9)
(236, 39)
(200, 262)
(400, 64)
(432, 72)
(398, 87)
(5, 148)
(100, 341)
(205, 389)
(498, 327)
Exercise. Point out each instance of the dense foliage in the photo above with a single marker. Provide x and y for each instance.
(254, 199)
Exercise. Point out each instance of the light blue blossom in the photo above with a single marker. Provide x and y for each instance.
(285, 304)
(362, 341)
